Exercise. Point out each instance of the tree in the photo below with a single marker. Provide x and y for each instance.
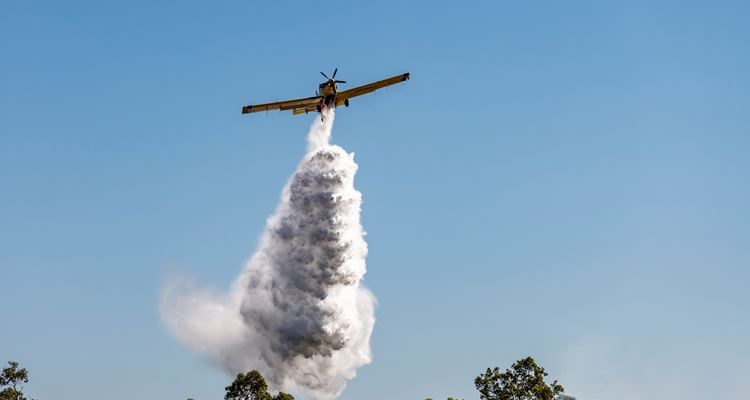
(524, 381)
(251, 386)
(11, 382)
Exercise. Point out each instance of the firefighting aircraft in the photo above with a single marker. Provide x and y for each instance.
(326, 96)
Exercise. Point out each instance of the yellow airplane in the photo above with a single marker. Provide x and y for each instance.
(326, 96)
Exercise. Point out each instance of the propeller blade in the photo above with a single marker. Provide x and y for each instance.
(340, 81)
(321, 72)
(334, 73)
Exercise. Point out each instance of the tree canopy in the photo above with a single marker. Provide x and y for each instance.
(523, 381)
(11, 382)
(251, 386)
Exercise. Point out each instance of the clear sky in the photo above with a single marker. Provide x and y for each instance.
(563, 179)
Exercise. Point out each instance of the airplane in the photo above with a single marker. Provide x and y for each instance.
(327, 95)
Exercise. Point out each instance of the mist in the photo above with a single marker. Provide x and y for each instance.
(298, 312)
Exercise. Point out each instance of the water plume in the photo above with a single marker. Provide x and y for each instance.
(298, 312)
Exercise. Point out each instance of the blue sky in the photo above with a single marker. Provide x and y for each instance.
(567, 180)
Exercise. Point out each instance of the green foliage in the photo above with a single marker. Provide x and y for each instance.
(251, 386)
(11, 382)
(524, 381)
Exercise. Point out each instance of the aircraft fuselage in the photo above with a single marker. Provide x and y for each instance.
(328, 92)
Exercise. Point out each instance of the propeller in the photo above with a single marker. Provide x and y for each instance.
(331, 79)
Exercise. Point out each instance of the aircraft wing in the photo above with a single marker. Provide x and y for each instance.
(304, 104)
(371, 87)
(306, 109)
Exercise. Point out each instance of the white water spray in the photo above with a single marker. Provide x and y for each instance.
(298, 312)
